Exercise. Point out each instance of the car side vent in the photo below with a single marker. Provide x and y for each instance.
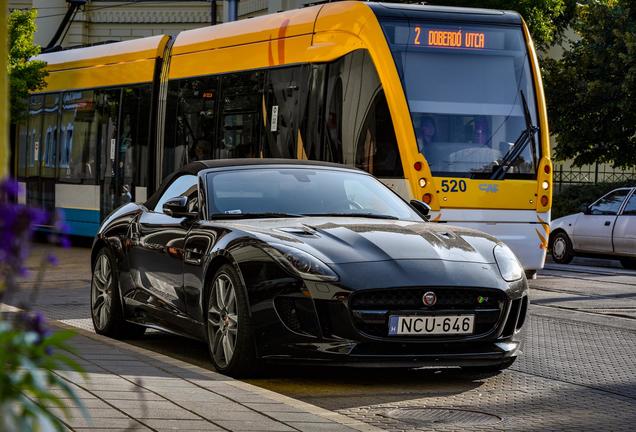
(511, 322)
(298, 314)
(522, 312)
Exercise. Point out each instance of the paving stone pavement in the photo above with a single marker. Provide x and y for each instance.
(130, 388)
(572, 376)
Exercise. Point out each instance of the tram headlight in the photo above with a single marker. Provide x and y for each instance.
(508, 263)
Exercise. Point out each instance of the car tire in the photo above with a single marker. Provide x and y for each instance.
(106, 308)
(629, 263)
(490, 369)
(561, 248)
(228, 328)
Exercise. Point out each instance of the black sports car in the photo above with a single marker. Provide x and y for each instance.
(305, 262)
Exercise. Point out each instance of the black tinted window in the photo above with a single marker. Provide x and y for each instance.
(610, 204)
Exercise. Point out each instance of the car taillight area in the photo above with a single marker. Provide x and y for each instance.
(375, 310)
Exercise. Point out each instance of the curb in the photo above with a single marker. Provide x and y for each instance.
(565, 314)
(268, 394)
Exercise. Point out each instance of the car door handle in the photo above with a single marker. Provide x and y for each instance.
(608, 223)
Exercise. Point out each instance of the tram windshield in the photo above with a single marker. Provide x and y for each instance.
(464, 86)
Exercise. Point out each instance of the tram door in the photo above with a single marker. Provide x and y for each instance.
(110, 182)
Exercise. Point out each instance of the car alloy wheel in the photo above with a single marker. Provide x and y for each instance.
(102, 292)
(223, 320)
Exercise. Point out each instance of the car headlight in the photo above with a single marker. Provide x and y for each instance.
(508, 264)
(305, 265)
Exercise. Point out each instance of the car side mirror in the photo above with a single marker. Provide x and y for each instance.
(585, 209)
(422, 208)
(178, 207)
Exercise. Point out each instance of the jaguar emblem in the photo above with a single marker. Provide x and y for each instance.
(429, 298)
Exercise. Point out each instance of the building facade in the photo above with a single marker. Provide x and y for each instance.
(103, 20)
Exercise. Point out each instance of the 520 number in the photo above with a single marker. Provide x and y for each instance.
(453, 186)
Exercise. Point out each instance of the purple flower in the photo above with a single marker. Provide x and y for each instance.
(65, 242)
(52, 259)
(10, 188)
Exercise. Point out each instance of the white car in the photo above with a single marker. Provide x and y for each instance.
(606, 228)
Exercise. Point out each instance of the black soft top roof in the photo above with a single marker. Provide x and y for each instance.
(444, 13)
(194, 168)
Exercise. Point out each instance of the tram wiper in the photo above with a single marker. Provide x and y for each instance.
(527, 136)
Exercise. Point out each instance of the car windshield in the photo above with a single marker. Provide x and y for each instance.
(276, 192)
(464, 84)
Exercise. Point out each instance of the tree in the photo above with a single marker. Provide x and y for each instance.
(25, 75)
(546, 19)
(592, 88)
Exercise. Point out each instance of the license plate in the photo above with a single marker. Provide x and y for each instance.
(431, 325)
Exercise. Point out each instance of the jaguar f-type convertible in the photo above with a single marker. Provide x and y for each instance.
(305, 262)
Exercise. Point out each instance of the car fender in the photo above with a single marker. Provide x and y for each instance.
(567, 224)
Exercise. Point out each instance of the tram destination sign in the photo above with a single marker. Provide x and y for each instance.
(444, 36)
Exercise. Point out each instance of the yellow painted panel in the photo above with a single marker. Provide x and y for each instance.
(113, 53)
(101, 76)
(485, 193)
(238, 58)
(544, 138)
(264, 28)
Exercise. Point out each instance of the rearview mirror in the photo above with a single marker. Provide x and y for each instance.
(178, 207)
(422, 208)
(585, 208)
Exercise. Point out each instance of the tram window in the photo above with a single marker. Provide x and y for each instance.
(282, 106)
(357, 126)
(170, 163)
(36, 106)
(50, 134)
(312, 102)
(241, 105)
(22, 141)
(78, 138)
(196, 119)
(133, 136)
(377, 150)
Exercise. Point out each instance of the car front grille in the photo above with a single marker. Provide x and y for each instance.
(371, 308)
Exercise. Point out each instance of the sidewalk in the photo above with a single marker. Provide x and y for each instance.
(130, 388)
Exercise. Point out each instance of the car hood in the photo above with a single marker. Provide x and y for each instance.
(564, 221)
(351, 240)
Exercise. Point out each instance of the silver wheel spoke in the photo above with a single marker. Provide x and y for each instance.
(101, 291)
(217, 347)
(228, 348)
(220, 293)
